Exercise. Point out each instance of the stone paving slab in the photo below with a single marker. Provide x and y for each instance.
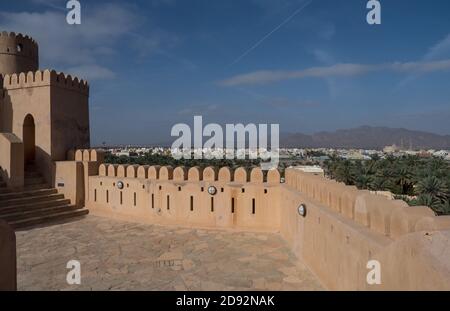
(116, 255)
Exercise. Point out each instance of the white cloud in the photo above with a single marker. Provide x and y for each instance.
(54, 4)
(92, 72)
(198, 109)
(338, 70)
(86, 47)
(439, 50)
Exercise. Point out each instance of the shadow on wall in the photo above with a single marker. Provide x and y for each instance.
(44, 164)
(3, 174)
(8, 265)
(6, 114)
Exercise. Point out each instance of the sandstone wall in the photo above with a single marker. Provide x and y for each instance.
(177, 196)
(346, 228)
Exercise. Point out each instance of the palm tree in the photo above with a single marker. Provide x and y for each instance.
(363, 181)
(404, 179)
(444, 209)
(344, 172)
(433, 186)
(377, 184)
(437, 165)
(427, 200)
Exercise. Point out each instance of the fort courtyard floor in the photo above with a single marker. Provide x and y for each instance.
(116, 255)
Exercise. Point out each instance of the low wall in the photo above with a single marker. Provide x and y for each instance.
(8, 265)
(11, 160)
(164, 195)
(69, 180)
(345, 228)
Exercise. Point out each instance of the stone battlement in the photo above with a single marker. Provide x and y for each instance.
(390, 218)
(194, 174)
(9, 42)
(5, 35)
(44, 78)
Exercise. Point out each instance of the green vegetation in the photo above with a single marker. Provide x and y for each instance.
(420, 182)
(163, 160)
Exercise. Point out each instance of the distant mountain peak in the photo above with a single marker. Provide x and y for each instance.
(367, 137)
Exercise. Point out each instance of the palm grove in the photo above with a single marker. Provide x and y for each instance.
(418, 181)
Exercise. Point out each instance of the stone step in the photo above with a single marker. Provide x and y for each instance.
(47, 219)
(27, 188)
(28, 200)
(33, 206)
(26, 194)
(20, 215)
(36, 187)
(5, 190)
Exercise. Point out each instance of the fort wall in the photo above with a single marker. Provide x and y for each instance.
(346, 228)
(342, 231)
(174, 196)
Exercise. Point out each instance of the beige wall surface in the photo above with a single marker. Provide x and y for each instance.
(69, 118)
(180, 197)
(11, 160)
(69, 177)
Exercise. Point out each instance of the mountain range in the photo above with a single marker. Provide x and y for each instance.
(367, 137)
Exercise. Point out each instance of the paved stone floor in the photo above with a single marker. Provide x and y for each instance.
(117, 255)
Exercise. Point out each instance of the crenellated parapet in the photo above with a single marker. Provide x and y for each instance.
(11, 39)
(193, 174)
(45, 78)
(86, 155)
(390, 218)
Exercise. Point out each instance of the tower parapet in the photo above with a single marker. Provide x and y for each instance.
(44, 78)
(18, 53)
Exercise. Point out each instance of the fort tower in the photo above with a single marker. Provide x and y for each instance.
(18, 53)
(43, 113)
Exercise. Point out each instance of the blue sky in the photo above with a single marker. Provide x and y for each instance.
(154, 63)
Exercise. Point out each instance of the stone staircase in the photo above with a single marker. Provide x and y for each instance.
(36, 204)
